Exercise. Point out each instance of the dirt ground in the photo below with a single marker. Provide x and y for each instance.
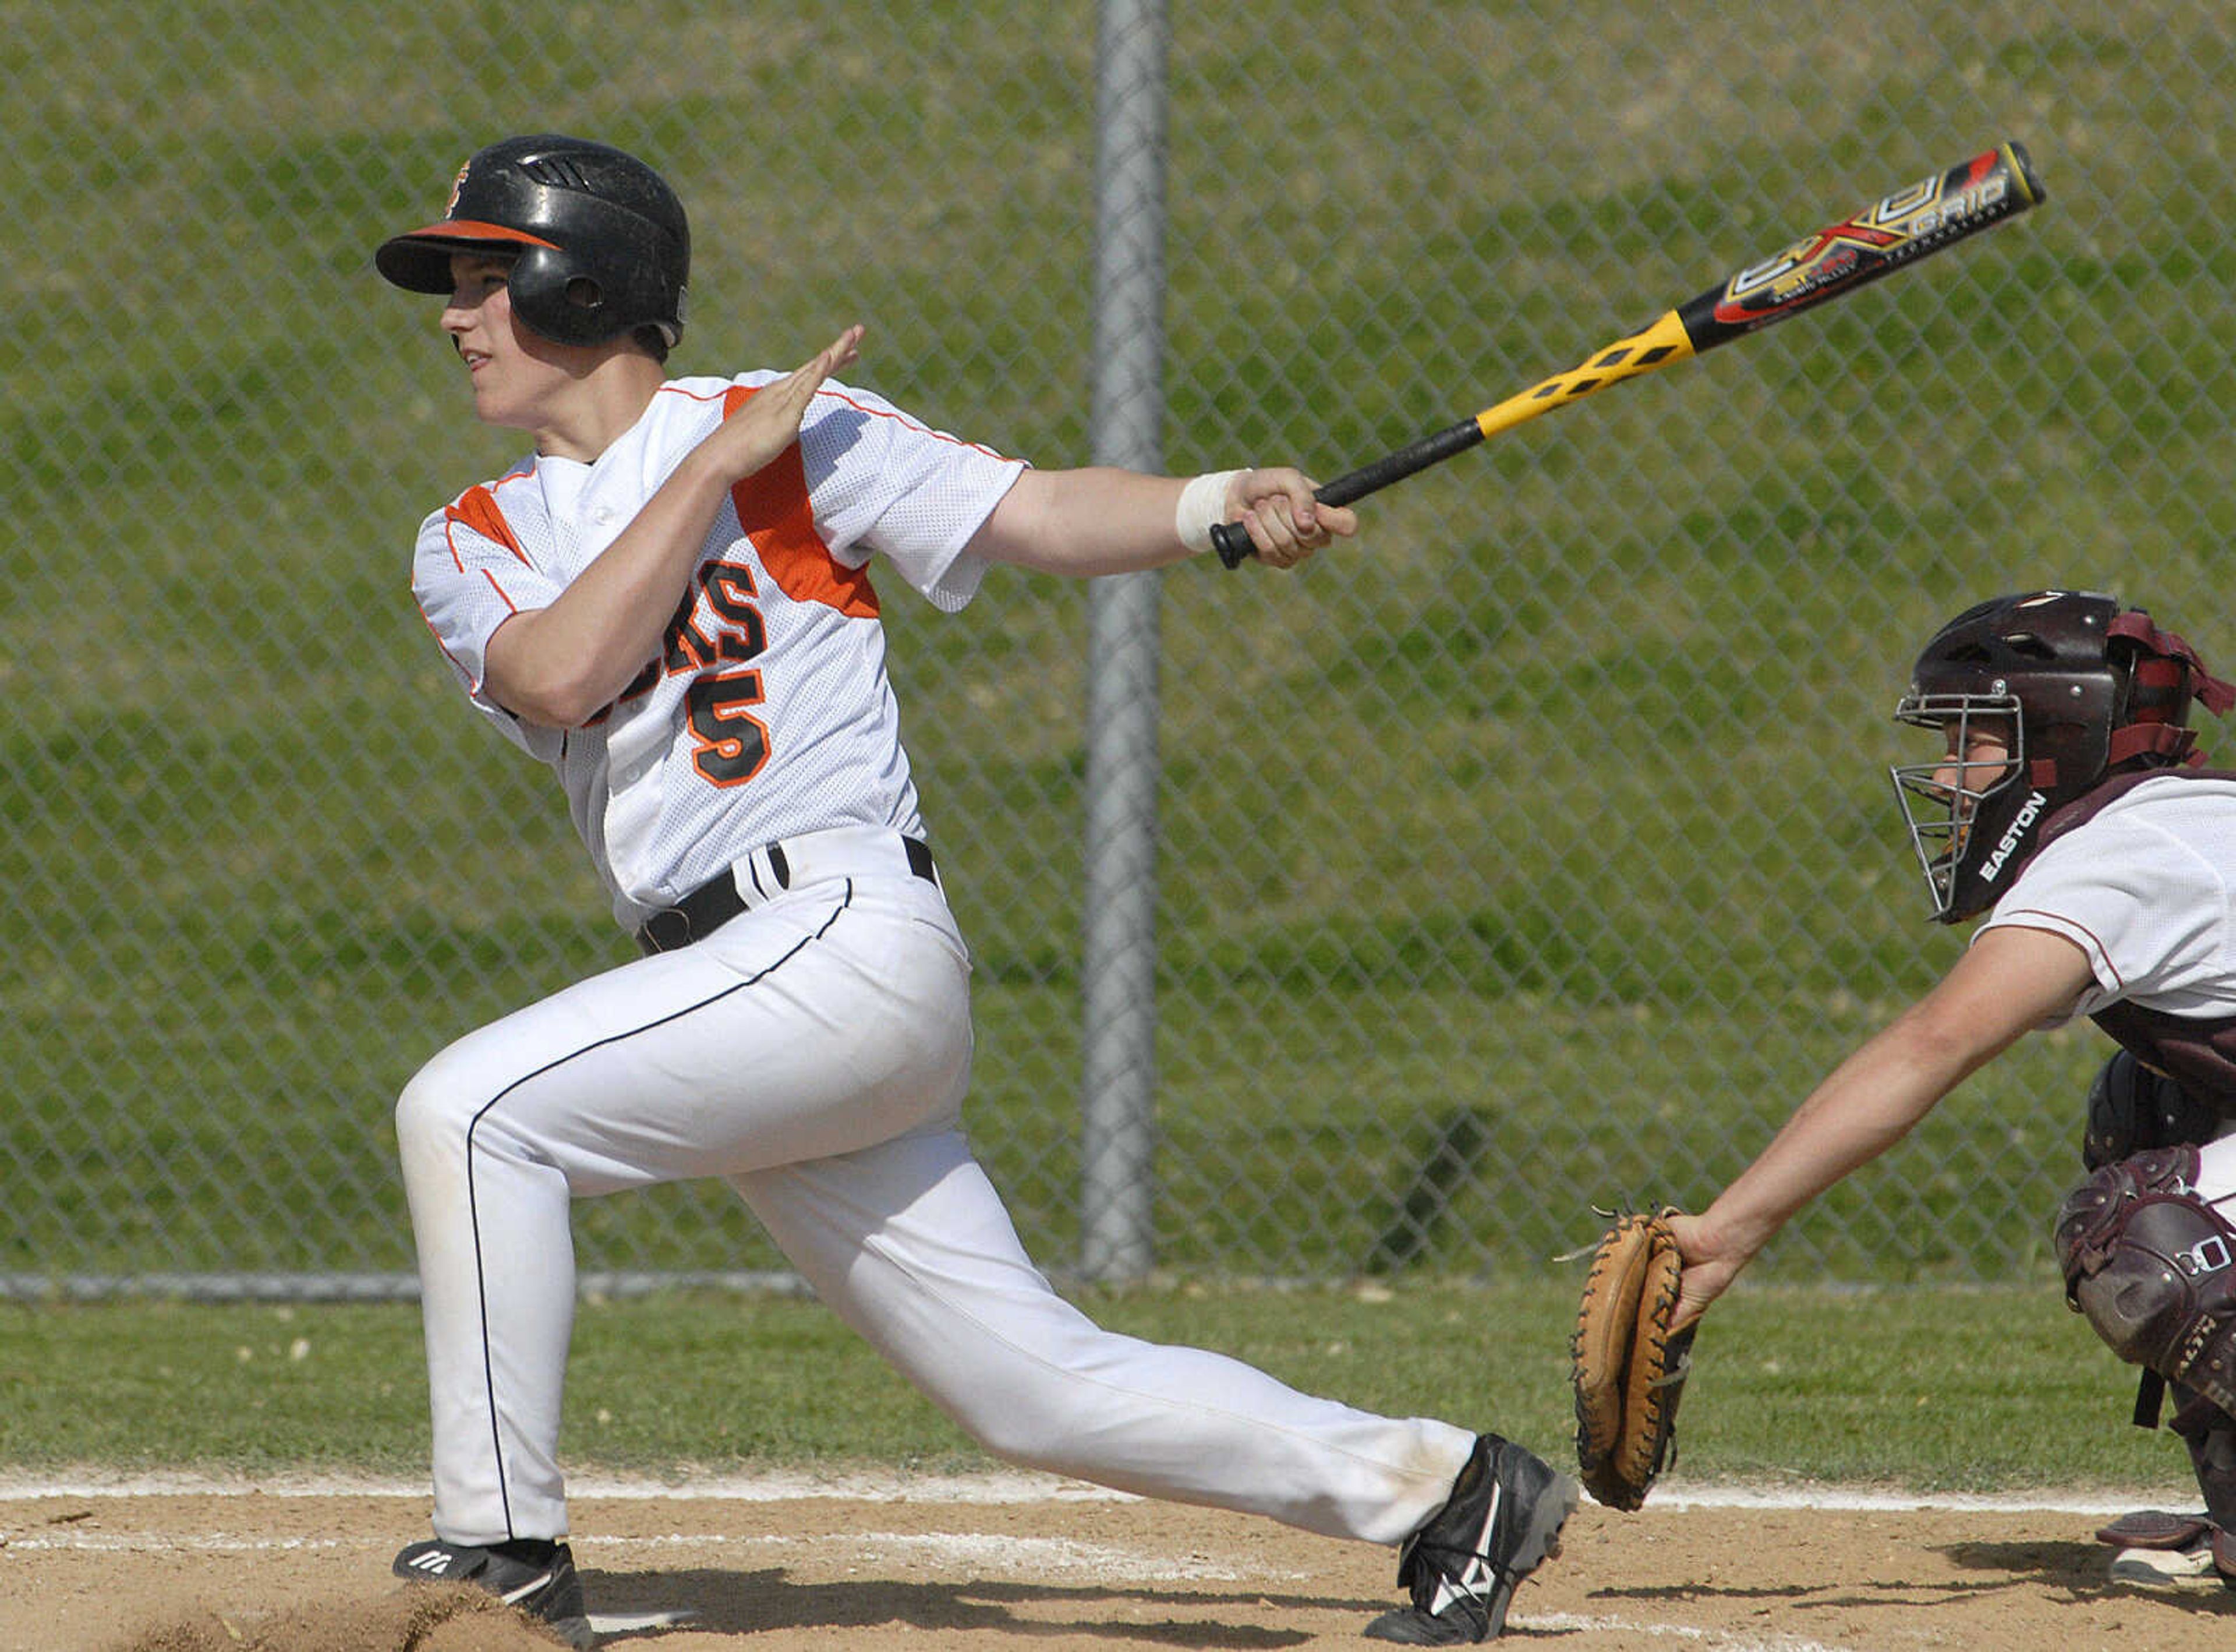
(928, 1566)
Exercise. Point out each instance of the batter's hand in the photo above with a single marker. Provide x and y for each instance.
(1284, 522)
(769, 422)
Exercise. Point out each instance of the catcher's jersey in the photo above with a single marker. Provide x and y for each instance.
(2141, 885)
(769, 712)
(2137, 874)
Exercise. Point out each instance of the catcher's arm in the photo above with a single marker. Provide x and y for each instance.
(2010, 979)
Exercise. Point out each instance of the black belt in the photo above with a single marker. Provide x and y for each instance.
(718, 900)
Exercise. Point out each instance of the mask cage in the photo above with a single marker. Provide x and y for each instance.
(1941, 820)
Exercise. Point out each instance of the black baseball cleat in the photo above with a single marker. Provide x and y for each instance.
(535, 1576)
(1501, 1522)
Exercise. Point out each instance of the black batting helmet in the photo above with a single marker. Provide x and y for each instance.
(2081, 687)
(602, 242)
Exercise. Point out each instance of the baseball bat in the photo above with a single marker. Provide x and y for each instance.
(1912, 223)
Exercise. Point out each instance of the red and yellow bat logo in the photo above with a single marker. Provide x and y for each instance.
(1905, 225)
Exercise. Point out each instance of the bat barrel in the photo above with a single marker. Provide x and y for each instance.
(1892, 233)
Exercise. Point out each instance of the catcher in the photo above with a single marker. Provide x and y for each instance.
(2070, 806)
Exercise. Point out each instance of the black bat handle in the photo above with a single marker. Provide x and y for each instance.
(1231, 539)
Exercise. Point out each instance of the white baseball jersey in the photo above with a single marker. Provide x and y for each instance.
(2142, 889)
(769, 713)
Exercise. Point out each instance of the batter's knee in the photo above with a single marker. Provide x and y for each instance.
(2152, 1268)
(1015, 1423)
(1040, 1414)
(434, 1109)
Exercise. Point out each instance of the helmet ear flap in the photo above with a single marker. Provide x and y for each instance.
(557, 299)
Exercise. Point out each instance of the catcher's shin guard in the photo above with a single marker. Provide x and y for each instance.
(2209, 1434)
(2152, 1268)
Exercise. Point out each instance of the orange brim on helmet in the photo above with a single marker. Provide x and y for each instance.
(418, 260)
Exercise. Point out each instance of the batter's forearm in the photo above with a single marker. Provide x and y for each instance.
(1085, 522)
(561, 666)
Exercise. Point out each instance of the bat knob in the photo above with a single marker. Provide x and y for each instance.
(1231, 541)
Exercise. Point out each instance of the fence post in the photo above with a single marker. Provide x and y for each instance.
(1118, 970)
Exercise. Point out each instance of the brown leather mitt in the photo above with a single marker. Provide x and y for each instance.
(1628, 1369)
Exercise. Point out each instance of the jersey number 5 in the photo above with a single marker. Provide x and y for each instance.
(732, 743)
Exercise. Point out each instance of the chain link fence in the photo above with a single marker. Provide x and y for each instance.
(1533, 852)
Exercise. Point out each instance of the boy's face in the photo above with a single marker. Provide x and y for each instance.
(515, 373)
(1977, 755)
(1976, 758)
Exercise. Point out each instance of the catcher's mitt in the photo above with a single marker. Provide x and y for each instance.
(1628, 1369)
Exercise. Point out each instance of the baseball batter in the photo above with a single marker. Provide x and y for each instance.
(670, 601)
(2069, 806)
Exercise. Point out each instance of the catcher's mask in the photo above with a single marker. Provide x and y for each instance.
(2079, 689)
(600, 242)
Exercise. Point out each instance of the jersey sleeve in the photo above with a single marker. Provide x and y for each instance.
(2148, 911)
(469, 576)
(886, 483)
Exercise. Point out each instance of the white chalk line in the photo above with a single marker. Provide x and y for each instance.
(1027, 1488)
(1690, 1634)
(102, 1542)
(1030, 1557)
(681, 1617)
(994, 1489)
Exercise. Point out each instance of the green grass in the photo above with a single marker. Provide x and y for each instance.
(1931, 1391)
(1557, 800)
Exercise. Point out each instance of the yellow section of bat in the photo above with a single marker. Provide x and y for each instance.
(1665, 342)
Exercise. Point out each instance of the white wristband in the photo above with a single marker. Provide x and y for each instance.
(1202, 507)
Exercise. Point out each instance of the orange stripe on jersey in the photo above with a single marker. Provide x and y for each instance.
(503, 595)
(457, 664)
(478, 509)
(773, 508)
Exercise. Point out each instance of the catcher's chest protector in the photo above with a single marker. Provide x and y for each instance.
(2196, 1056)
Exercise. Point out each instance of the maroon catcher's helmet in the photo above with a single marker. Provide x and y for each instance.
(2087, 688)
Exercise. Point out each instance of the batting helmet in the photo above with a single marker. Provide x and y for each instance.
(2082, 689)
(602, 244)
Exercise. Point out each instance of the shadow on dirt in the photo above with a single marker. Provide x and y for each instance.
(2079, 1568)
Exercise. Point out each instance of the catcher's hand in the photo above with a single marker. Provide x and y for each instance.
(1627, 1366)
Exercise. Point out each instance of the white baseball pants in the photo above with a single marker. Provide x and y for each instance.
(814, 1052)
